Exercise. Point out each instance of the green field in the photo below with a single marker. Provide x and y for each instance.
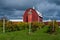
(23, 35)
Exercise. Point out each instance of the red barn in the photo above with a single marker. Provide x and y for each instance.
(32, 15)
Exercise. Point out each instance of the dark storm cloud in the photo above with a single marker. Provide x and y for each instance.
(49, 9)
(54, 1)
(17, 4)
(11, 13)
(15, 8)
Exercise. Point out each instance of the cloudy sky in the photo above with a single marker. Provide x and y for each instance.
(14, 9)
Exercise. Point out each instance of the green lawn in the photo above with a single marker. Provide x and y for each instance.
(23, 35)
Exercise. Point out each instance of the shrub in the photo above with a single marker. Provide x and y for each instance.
(52, 26)
(9, 26)
(12, 26)
(36, 25)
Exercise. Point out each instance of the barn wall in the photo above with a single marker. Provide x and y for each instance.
(34, 14)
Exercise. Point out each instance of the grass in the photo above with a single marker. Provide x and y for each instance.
(23, 35)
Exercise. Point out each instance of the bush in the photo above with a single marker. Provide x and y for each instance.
(21, 26)
(52, 27)
(10, 26)
(36, 25)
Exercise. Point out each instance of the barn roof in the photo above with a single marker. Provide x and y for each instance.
(40, 14)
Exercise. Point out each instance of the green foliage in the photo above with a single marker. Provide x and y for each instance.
(53, 26)
(36, 25)
(1, 23)
(22, 25)
(10, 26)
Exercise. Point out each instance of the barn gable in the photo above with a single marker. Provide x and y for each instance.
(31, 15)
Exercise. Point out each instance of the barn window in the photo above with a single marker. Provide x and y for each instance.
(29, 12)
